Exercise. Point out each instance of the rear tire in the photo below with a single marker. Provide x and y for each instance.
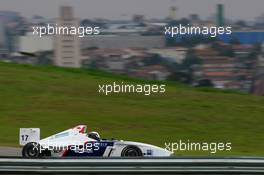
(131, 151)
(31, 150)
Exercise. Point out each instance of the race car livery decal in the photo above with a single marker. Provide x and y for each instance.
(89, 149)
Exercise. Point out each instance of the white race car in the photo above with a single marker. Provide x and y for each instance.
(76, 142)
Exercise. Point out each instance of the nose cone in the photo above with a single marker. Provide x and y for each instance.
(168, 153)
(162, 152)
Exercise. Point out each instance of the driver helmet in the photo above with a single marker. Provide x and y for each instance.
(94, 135)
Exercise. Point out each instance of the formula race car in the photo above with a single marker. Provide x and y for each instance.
(76, 142)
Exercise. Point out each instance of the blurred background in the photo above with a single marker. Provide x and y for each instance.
(132, 40)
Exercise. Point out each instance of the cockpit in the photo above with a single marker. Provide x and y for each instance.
(94, 135)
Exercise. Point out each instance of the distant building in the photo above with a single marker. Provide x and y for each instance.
(67, 47)
(13, 23)
(220, 15)
(172, 54)
(244, 37)
(224, 72)
(9, 15)
(31, 43)
(115, 60)
(173, 13)
(2, 34)
(123, 41)
(259, 79)
(139, 18)
(152, 72)
(3, 46)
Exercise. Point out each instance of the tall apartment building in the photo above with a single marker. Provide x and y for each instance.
(67, 47)
(3, 41)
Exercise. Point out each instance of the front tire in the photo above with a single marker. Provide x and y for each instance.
(131, 151)
(31, 150)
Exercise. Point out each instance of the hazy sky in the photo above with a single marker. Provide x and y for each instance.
(123, 9)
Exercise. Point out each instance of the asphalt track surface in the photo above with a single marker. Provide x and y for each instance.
(10, 151)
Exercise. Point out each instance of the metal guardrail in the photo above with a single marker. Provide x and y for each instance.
(134, 166)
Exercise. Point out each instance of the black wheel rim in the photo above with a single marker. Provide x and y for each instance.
(32, 151)
(131, 153)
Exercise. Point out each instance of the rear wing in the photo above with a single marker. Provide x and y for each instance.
(27, 135)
